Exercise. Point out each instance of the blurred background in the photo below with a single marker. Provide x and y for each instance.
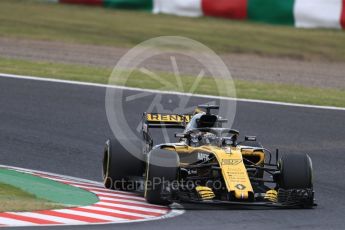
(280, 50)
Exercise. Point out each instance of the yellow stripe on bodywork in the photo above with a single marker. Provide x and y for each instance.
(234, 172)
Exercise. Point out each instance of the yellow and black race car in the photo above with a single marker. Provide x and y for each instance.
(208, 165)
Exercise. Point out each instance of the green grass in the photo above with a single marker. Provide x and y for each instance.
(13, 199)
(245, 89)
(80, 24)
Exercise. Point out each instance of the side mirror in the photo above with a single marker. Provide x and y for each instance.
(250, 138)
(181, 135)
(222, 120)
(234, 132)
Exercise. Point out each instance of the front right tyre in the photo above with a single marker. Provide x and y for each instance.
(295, 180)
(296, 171)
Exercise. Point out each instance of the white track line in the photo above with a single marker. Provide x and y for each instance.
(50, 218)
(91, 208)
(12, 222)
(116, 195)
(98, 190)
(134, 202)
(91, 215)
(75, 179)
(131, 207)
(167, 92)
(104, 192)
(72, 182)
(101, 191)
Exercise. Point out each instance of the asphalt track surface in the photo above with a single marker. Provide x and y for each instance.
(61, 128)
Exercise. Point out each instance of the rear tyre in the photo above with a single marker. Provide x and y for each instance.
(162, 168)
(119, 165)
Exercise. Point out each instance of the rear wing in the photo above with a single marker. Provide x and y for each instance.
(161, 120)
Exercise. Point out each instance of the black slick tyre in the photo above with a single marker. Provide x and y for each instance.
(162, 168)
(295, 172)
(296, 181)
(119, 165)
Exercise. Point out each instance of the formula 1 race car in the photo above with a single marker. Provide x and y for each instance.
(208, 165)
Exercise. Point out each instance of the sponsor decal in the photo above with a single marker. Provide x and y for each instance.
(192, 172)
(231, 161)
(240, 186)
(203, 156)
(156, 117)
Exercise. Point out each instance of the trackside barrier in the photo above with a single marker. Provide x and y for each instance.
(299, 13)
